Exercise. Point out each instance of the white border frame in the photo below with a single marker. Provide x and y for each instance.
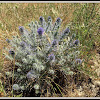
(49, 2)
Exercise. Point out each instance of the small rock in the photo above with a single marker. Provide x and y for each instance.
(92, 66)
(81, 94)
(98, 72)
(96, 63)
(93, 86)
(80, 89)
(97, 83)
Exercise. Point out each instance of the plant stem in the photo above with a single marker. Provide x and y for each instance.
(13, 75)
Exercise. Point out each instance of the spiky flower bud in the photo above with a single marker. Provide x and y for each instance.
(78, 61)
(58, 20)
(21, 29)
(8, 74)
(16, 87)
(76, 42)
(51, 57)
(67, 30)
(18, 70)
(41, 19)
(51, 71)
(24, 60)
(7, 40)
(36, 86)
(11, 52)
(70, 73)
(31, 75)
(49, 18)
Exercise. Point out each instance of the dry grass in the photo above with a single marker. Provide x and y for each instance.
(13, 15)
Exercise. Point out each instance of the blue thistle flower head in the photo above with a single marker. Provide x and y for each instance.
(49, 18)
(40, 31)
(78, 61)
(21, 29)
(67, 30)
(31, 75)
(41, 19)
(51, 57)
(7, 40)
(11, 52)
(54, 42)
(76, 42)
(58, 20)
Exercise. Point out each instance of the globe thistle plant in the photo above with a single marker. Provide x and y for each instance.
(40, 50)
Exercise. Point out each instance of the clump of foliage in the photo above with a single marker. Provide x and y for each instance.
(85, 24)
(86, 27)
(40, 51)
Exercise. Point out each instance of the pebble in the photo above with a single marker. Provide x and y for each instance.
(80, 94)
(98, 72)
(93, 86)
(97, 83)
(96, 63)
(92, 66)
